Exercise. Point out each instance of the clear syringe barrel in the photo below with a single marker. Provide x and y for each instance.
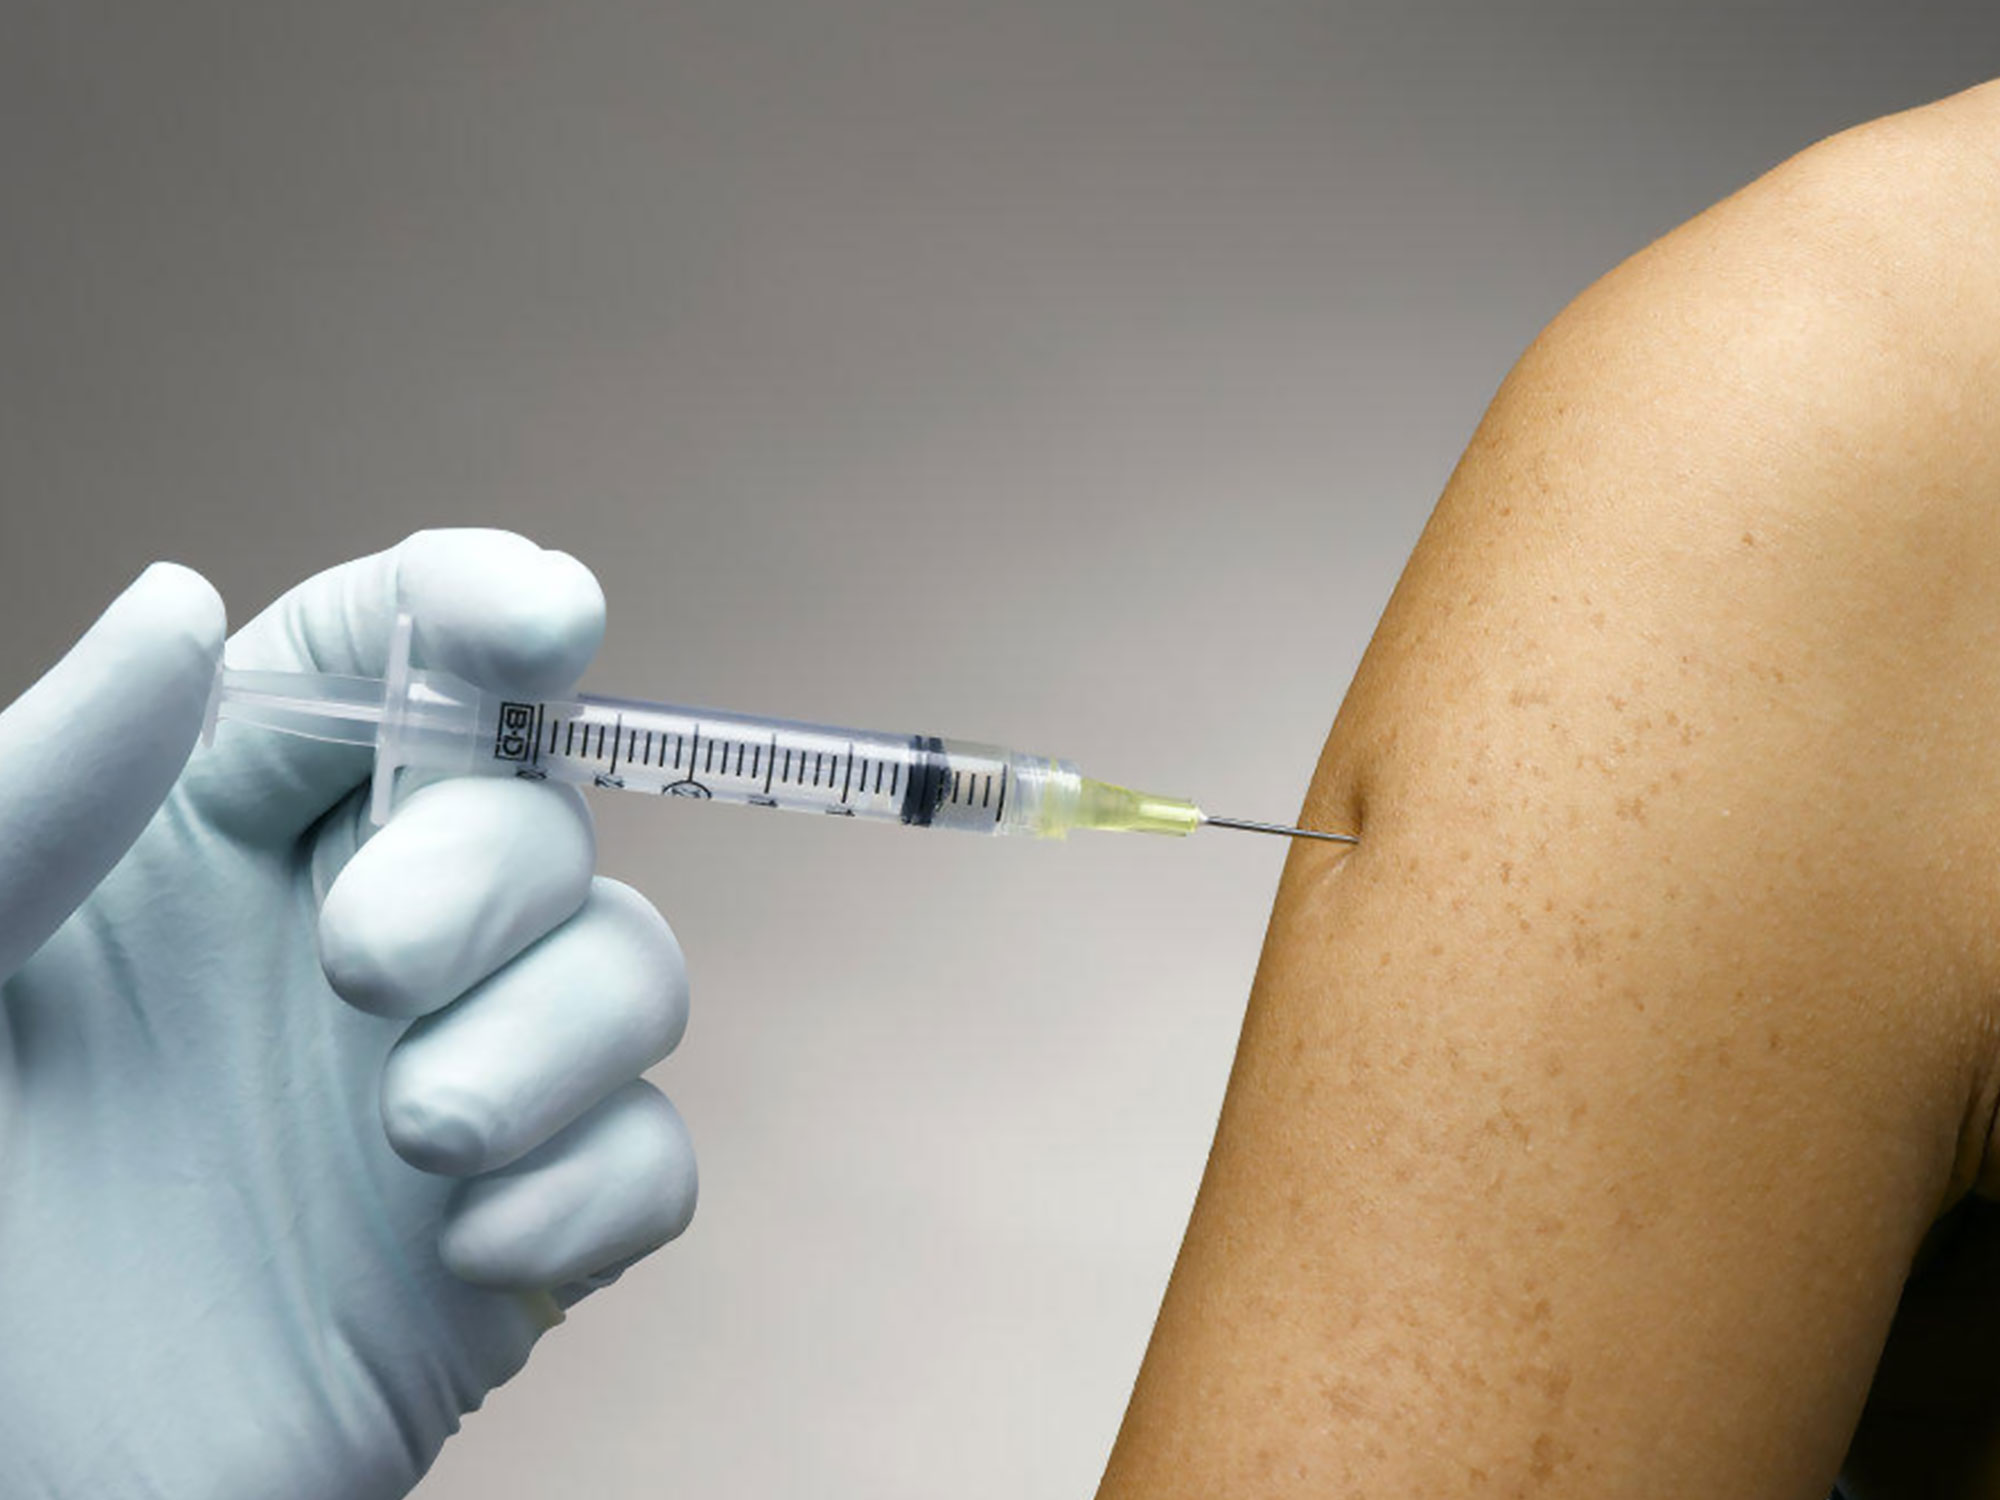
(438, 722)
(649, 747)
(924, 781)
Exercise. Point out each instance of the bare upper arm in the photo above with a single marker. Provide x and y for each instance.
(1588, 1115)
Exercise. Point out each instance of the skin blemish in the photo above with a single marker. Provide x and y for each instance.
(1551, 1381)
(1466, 1375)
(1343, 1396)
(1549, 1455)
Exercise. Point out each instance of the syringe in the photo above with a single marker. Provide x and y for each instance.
(436, 721)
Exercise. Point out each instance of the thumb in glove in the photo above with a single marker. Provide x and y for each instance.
(88, 754)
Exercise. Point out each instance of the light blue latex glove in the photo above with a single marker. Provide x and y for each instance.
(219, 1280)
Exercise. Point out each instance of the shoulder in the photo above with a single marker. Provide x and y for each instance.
(1712, 607)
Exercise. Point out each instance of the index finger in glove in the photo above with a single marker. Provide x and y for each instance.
(490, 606)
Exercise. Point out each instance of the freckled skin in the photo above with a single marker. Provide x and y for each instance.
(1590, 1116)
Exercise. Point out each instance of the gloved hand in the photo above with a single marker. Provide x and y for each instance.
(261, 1236)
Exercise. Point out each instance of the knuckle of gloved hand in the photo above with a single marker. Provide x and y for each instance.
(652, 1184)
(540, 642)
(680, 1187)
(357, 948)
(502, 609)
(471, 872)
(660, 1011)
(660, 1164)
(438, 1127)
(548, 1221)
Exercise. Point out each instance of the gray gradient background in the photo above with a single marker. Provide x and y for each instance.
(1075, 375)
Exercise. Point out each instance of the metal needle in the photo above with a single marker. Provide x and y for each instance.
(1279, 829)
